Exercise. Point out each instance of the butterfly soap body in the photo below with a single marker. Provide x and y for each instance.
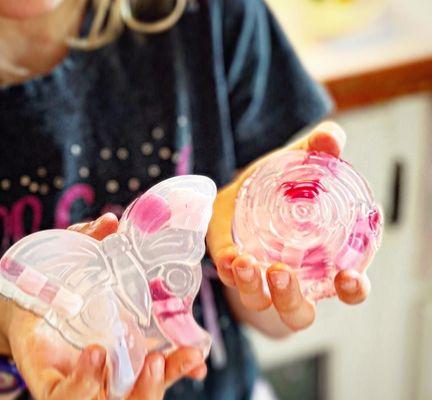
(131, 292)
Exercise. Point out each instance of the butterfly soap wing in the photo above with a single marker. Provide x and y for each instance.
(167, 227)
(169, 222)
(53, 273)
(65, 277)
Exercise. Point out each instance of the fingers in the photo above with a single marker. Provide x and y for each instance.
(180, 363)
(159, 373)
(98, 229)
(328, 137)
(249, 282)
(84, 382)
(223, 261)
(294, 309)
(198, 373)
(150, 384)
(352, 287)
(243, 273)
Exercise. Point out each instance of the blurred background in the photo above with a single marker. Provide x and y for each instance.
(375, 58)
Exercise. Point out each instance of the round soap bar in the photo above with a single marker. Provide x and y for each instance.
(311, 211)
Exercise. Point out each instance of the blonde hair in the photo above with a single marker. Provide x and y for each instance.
(112, 15)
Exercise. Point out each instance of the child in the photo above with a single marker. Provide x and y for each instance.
(85, 131)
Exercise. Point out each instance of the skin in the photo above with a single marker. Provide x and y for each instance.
(23, 9)
(54, 370)
(34, 45)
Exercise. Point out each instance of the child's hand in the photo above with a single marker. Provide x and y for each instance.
(54, 370)
(243, 272)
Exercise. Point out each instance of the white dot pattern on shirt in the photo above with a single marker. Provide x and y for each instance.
(34, 187)
(41, 172)
(25, 180)
(112, 186)
(122, 153)
(84, 172)
(75, 150)
(158, 133)
(5, 184)
(58, 182)
(164, 153)
(133, 184)
(154, 170)
(147, 149)
(105, 153)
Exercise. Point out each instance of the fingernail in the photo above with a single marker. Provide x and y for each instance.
(280, 279)
(157, 367)
(97, 358)
(98, 220)
(78, 227)
(349, 285)
(245, 274)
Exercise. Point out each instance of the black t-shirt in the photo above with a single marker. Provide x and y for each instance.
(209, 96)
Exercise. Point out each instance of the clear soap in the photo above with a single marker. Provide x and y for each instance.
(311, 211)
(131, 292)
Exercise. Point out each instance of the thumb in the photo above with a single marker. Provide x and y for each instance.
(85, 381)
(98, 229)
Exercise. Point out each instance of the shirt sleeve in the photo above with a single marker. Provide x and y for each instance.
(271, 95)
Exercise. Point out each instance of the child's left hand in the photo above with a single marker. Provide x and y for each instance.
(55, 370)
(243, 272)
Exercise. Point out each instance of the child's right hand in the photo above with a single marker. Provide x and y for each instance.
(54, 370)
(283, 308)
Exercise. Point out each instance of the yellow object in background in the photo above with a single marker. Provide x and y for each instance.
(330, 18)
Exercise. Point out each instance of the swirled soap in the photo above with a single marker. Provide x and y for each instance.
(311, 211)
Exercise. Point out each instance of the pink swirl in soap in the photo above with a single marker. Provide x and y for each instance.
(149, 213)
(311, 211)
(307, 189)
(174, 317)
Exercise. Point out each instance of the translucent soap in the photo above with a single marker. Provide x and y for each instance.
(131, 292)
(311, 211)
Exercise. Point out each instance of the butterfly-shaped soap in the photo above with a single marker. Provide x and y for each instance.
(131, 292)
